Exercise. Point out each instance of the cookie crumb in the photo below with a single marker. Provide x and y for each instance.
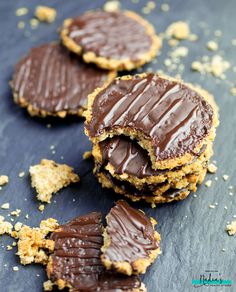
(21, 24)
(4, 180)
(9, 247)
(5, 227)
(41, 207)
(22, 174)
(34, 23)
(5, 206)
(45, 14)
(231, 228)
(225, 177)
(49, 177)
(212, 168)
(16, 212)
(208, 183)
(15, 269)
(48, 285)
(165, 7)
(233, 91)
(179, 30)
(223, 249)
(111, 6)
(18, 226)
(22, 11)
(212, 46)
(225, 207)
(211, 206)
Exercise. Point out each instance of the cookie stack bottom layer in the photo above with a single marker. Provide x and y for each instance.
(121, 164)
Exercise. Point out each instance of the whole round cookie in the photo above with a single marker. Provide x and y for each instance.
(169, 119)
(49, 80)
(120, 40)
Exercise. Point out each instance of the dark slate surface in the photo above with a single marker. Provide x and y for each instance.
(193, 235)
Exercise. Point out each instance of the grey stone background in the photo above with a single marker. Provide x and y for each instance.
(193, 235)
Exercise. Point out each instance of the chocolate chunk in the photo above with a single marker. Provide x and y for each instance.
(130, 239)
(51, 79)
(76, 262)
(169, 114)
(112, 35)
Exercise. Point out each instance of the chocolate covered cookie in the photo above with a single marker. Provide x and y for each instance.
(75, 262)
(50, 80)
(120, 40)
(131, 243)
(169, 119)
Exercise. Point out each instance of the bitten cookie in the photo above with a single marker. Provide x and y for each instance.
(120, 40)
(130, 242)
(75, 262)
(50, 80)
(169, 119)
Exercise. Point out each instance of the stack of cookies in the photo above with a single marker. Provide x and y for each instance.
(152, 136)
(55, 79)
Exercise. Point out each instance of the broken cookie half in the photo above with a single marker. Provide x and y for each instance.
(49, 177)
(131, 243)
(75, 262)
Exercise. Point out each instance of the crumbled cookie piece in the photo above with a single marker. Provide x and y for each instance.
(87, 155)
(15, 269)
(49, 177)
(16, 213)
(46, 14)
(211, 206)
(33, 243)
(34, 23)
(179, 30)
(5, 227)
(18, 226)
(21, 174)
(225, 177)
(111, 6)
(212, 168)
(231, 228)
(41, 207)
(4, 180)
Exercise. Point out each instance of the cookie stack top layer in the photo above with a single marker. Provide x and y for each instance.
(167, 118)
(113, 40)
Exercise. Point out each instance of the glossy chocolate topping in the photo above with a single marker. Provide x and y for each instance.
(127, 156)
(49, 78)
(76, 257)
(112, 35)
(131, 234)
(172, 116)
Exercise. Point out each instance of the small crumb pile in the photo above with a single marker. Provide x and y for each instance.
(231, 228)
(49, 177)
(215, 66)
(33, 243)
(45, 14)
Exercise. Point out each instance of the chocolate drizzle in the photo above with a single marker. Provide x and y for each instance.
(131, 234)
(112, 35)
(76, 258)
(172, 116)
(51, 79)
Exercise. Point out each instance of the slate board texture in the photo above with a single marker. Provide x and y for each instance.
(193, 235)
